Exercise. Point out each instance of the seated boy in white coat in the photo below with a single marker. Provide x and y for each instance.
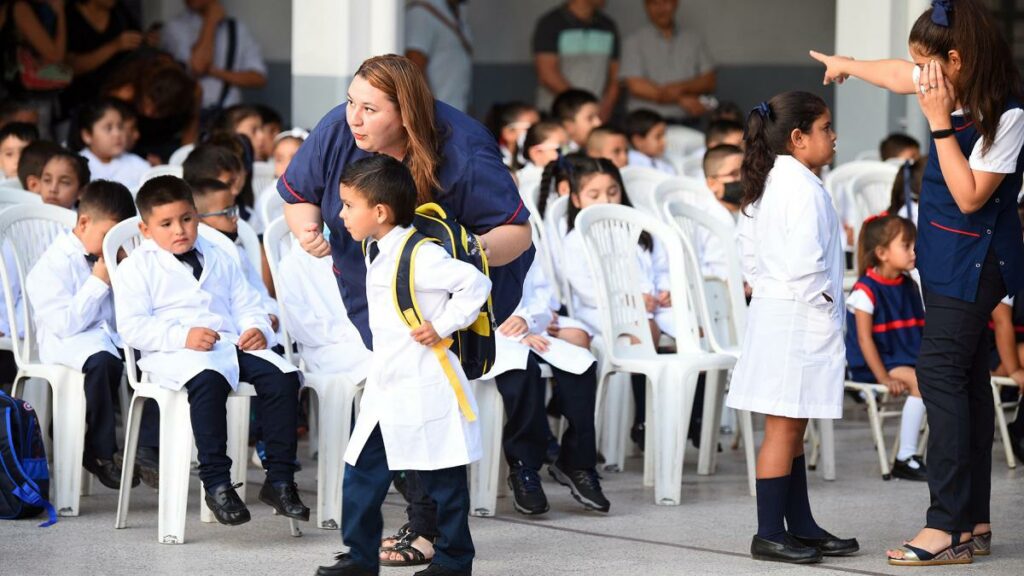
(328, 341)
(186, 306)
(74, 314)
(410, 417)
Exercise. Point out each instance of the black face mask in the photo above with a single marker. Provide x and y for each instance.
(733, 193)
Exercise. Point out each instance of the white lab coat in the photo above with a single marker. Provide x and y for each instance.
(654, 278)
(328, 341)
(793, 358)
(537, 307)
(407, 392)
(255, 279)
(73, 310)
(19, 303)
(158, 300)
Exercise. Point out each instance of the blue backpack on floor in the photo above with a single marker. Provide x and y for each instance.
(24, 474)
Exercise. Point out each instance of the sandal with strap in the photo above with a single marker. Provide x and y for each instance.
(411, 556)
(981, 544)
(955, 553)
(397, 537)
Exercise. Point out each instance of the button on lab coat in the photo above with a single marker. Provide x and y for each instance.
(73, 310)
(407, 392)
(158, 301)
(793, 357)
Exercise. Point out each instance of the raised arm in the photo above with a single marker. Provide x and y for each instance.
(893, 75)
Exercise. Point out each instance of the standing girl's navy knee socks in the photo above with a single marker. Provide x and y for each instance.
(799, 519)
(771, 507)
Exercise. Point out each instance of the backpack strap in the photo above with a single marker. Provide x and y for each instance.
(232, 53)
(449, 22)
(404, 290)
(25, 489)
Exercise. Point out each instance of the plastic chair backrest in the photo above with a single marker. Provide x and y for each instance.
(610, 234)
(270, 205)
(15, 196)
(124, 236)
(553, 225)
(640, 185)
(871, 192)
(725, 305)
(277, 242)
(838, 179)
(683, 141)
(868, 155)
(262, 176)
(178, 156)
(690, 190)
(540, 236)
(218, 239)
(162, 170)
(29, 229)
(693, 166)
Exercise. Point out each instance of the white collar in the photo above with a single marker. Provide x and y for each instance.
(790, 163)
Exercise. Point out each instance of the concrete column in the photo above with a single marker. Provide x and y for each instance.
(864, 114)
(330, 39)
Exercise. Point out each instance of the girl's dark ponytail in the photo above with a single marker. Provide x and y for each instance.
(767, 136)
(548, 185)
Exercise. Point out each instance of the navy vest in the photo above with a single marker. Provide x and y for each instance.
(898, 321)
(951, 245)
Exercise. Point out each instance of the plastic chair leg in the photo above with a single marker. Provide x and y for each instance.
(875, 421)
(336, 399)
(651, 421)
(484, 475)
(131, 444)
(175, 463)
(828, 449)
(714, 396)
(673, 405)
(746, 423)
(314, 423)
(614, 431)
(68, 442)
(1004, 432)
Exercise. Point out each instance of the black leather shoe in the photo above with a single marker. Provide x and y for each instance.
(910, 469)
(147, 466)
(437, 570)
(792, 551)
(284, 498)
(1016, 430)
(830, 545)
(227, 507)
(345, 566)
(107, 471)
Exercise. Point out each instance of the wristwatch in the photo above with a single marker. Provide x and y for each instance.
(939, 134)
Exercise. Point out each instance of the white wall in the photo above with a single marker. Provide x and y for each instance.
(736, 31)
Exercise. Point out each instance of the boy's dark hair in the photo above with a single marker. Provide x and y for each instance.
(127, 111)
(79, 163)
(229, 118)
(11, 106)
(568, 103)
(769, 127)
(641, 122)
(268, 115)
(988, 75)
(896, 143)
(713, 157)
(601, 132)
(383, 180)
(206, 187)
(33, 158)
(207, 161)
(21, 130)
(720, 129)
(727, 110)
(502, 114)
(160, 191)
(106, 199)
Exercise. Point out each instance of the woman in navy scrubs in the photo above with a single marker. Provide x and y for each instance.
(455, 162)
(969, 252)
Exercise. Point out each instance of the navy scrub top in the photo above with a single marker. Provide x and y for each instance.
(475, 186)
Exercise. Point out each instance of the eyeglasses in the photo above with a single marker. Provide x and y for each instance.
(229, 212)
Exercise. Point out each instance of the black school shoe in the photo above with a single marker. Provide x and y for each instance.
(791, 551)
(585, 486)
(344, 565)
(283, 497)
(147, 466)
(108, 472)
(436, 570)
(830, 545)
(528, 494)
(910, 469)
(226, 505)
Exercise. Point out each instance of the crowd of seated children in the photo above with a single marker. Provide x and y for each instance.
(610, 143)
(102, 139)
(578, 111)
(646, 131)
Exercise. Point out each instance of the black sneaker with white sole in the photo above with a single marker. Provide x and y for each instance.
(528, 494)
(585, 486)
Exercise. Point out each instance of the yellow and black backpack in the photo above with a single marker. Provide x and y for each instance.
(473, 345)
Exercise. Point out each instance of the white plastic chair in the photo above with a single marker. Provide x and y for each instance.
(554, 225)
(30, 229)
(178, 156)
(640, 185)
(693, 167)
(999, 382)
(334, 398)
(872, 394)
(270, 205)
(871, 191)
(262, 176)
(871, 155)
(690, 190)
(682, 141)
(13, 196)
(723, 311)
(11, 183)
(176, 439)
(162, 170)
(610, 234)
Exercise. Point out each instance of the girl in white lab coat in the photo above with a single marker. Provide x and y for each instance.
(791, 366)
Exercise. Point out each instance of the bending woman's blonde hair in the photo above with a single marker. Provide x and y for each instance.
(404, 84)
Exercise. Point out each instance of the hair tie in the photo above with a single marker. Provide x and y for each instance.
(764, 110)
(874, 217)
(940, 12)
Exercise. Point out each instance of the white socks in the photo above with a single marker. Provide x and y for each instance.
(910, 427)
